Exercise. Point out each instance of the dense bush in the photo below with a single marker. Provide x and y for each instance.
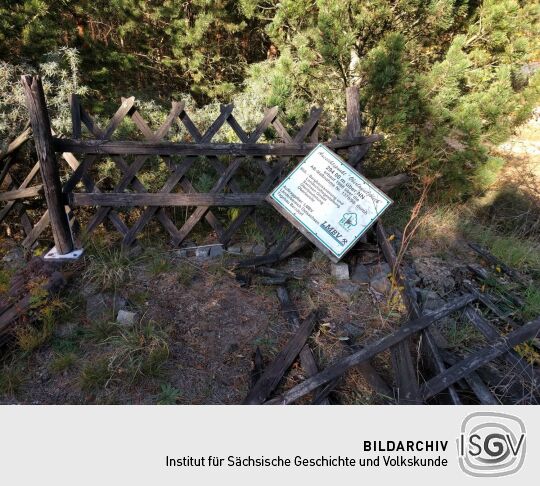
(443, 80)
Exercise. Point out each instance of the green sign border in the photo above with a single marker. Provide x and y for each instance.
(353, 172)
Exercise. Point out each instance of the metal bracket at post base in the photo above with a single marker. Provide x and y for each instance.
(53, 255)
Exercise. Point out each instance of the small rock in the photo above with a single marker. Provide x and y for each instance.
(340, 271)
(381, 267)
(435, 273)
(430, 300)
(360, 274)
(126, 318)
(216, 251)
(352, 330)
(259, 250)
(346, 289)
(236, 249)
(380, 283)
(202, 252)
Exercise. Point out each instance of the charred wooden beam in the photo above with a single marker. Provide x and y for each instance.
(480, 358)
(41, 128)
(105, 147)
(342, 365)
(274, 371)
(486, 255)
(124, 199)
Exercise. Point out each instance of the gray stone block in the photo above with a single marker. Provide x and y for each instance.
(340, 271)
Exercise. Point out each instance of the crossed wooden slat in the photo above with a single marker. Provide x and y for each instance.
(269, 116)
(273, 175)
(169, 185)
(80, 174)
(178, 172)
(129, 171)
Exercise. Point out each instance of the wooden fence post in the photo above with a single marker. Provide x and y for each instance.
(354, 126)
(52, 187)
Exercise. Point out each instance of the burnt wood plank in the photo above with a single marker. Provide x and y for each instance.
(488, 302)
(127, 199)
(486, 255)
(519, 365)
(123, 147)
(480, 358)
(50, 176)
(342, 365)
(274, 371)
(407, 384)
(354, 127)
(479, 388)
(24, 193)
(307, 359)
(75, 109)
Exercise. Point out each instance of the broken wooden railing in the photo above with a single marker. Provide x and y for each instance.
(458, 370)
(78, 157)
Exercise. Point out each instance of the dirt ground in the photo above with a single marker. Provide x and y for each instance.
(211, 325)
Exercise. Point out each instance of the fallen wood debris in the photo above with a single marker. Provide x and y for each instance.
(480, 358)
(344, 364)
(274, 371)
(307, 359)
(486, 255)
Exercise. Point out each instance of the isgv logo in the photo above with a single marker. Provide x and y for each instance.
(491, 444)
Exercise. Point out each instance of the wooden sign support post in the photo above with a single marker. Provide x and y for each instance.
(52, 187)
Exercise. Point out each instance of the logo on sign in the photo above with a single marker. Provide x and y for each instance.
(491, 444)
(348, 220)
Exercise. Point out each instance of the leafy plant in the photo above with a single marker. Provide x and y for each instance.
(168, 395)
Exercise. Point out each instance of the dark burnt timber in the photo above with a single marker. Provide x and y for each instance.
(407, 385)
(479, 388)
(511, 357)
(480, 358)
(164, 199)
(486, 255)
(52, 187)
(307, 359)
(101, 147)
(409, 298)
(344, 364)
(274, 372)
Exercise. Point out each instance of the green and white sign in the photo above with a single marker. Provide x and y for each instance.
(329, 202)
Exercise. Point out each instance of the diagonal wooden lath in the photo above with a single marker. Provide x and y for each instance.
(130, 171)
(269, 116)
(81, 169)
(274, 174)
(172, 181)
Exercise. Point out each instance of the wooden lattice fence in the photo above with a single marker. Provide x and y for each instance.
(243, 173)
